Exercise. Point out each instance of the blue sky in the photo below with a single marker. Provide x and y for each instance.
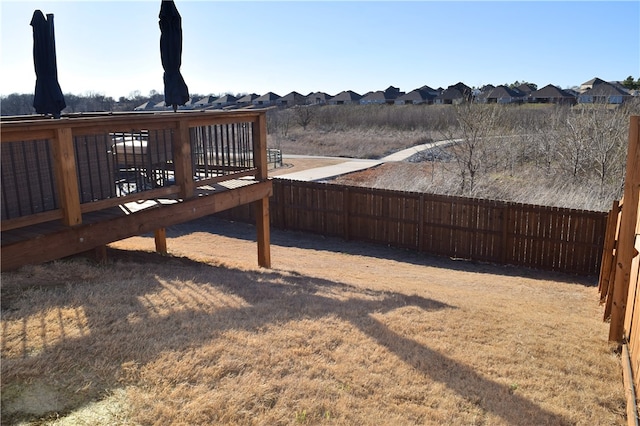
(112, 47)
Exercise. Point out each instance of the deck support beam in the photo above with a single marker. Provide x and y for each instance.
(72, 240)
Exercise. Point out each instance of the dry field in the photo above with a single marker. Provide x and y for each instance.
(336, 333)
(353, 143)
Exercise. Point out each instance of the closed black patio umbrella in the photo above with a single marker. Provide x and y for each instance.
(175, 89)
(48, 98)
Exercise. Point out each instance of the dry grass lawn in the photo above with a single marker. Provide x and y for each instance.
(336, 333)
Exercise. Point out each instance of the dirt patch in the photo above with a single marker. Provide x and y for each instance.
(292, 165)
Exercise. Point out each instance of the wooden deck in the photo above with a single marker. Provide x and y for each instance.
(44, 220)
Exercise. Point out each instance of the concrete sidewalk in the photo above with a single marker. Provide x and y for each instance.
(328, 172)
(409, 152)
(355, 165)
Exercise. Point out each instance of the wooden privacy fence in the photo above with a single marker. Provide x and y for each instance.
(540, 237)
(620, 272)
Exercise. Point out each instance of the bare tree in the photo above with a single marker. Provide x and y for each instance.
(304, 114)
(17, 104)
(547, 139)
(602, 135)
(473, 152)
(278, 125)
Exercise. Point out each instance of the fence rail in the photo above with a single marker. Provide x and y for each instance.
(539, 237)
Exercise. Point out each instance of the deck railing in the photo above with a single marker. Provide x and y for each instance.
(60, 169)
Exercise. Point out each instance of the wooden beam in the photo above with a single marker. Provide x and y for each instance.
(25, 134)
(69, 241)
(259, 130)
(160, 236)
(620, 315)
(263, 231)
(64, 163)
(31, 128)
(32, 219)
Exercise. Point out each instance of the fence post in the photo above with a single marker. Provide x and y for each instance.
(620, 315)
(64, 162)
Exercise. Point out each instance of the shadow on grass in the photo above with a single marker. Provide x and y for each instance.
(111, 340)
(310, 241)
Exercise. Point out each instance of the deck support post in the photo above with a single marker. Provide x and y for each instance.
(160, 236)
(262, 205)
(264, 233)
(100, 254)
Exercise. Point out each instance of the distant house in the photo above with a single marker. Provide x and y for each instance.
(224, 101)
(504, 95)
(526, 88)
(188, 104)
(551, 94)
(449, 96)
(480, 95)
(392, 93)
(429, 91)
(382, 97)
(291, 99)
(204, 102)
(246, 100)
(344, 98)
(414, 97)
(160, 106)
(590, 84)
(604, 93)
(318, 98)
(455, 94)
(422, 95)
(147, 106)
(374, 98)
(266, 100)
